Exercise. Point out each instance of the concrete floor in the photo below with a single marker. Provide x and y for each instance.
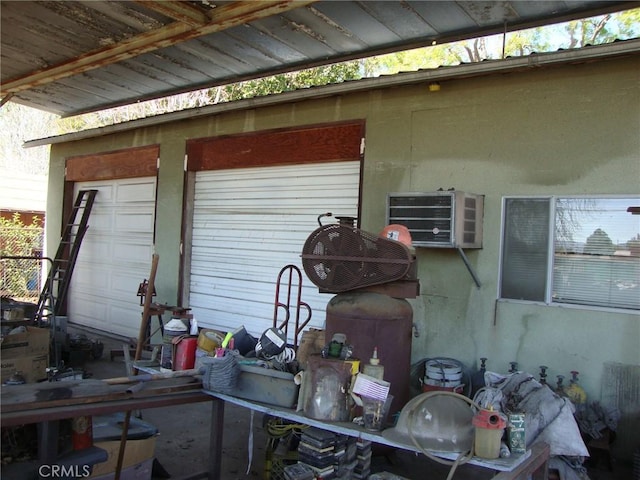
(183, 441)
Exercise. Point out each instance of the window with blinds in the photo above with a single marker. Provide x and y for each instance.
(583, 251)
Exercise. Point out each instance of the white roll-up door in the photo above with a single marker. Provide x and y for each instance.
(115, 256)
(250, 223)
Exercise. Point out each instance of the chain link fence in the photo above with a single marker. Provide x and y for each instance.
(21, 279)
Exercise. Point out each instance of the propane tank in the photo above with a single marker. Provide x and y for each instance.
(477, 379)
(543, 374)
(375, 319)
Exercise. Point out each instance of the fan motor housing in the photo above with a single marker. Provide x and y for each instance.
(339, 258)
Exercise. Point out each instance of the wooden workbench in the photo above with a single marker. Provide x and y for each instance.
(46, 403)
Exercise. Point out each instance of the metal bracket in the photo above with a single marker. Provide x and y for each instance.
(469, 267)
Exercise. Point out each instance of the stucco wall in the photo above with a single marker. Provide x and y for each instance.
(563, 130)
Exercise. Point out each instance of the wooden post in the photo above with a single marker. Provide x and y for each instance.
(141, 339)
(146, 310)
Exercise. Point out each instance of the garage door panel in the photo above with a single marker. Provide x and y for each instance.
(87, 280)
(223, 278)
(91, 250)
(246, 253)
(250, 307)
(133, 222)
(115, 256)
(135, 192)
(100, 221)
(123, 318)
(310, 198)
(132, 252)
(106, 191)
(247, 225)
(231, 293)
(244, 266)
(126, 283)
(90, 311)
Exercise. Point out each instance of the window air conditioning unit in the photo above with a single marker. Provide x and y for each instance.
(442, 219)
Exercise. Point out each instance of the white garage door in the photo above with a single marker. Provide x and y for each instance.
(115, 256)
(250, 223)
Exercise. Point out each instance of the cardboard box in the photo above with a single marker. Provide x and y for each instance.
(33, 342)
(140, 447)
(32, 368)
(137, 452)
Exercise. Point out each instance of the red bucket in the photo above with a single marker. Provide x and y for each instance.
(434, 388)
(185, 356)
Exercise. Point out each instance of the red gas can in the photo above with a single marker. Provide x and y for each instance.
(185, 353)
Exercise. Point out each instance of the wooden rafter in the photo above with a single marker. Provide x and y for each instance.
(187, 27)
(180, 11)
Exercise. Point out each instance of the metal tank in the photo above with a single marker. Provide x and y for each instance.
(372, 320)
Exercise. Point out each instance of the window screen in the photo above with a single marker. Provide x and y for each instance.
(525, 249)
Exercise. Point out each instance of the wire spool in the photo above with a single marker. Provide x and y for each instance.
(209, 340)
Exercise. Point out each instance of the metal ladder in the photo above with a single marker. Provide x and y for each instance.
(54, 291)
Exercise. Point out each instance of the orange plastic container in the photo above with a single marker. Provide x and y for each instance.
(489, 430)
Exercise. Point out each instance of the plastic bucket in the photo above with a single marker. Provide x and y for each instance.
(437, 388)
(442, 375)
(489, 427)
(443, 370)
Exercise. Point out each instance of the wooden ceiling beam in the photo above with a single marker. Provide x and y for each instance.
(180, 11)
(221, 18)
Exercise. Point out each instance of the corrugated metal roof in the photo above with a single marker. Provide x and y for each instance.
(73, 57)
(424, 76)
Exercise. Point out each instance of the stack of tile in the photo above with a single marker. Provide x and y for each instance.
(346, 457)
(363, 464)
(334, 457)
(317, 450)
(298, 471)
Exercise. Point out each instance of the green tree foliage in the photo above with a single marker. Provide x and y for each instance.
(285, 82)
(19, 277)
(599, 243)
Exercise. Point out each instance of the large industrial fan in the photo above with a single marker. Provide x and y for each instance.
(339, 257)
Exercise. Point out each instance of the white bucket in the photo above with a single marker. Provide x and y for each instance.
(442, 373)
